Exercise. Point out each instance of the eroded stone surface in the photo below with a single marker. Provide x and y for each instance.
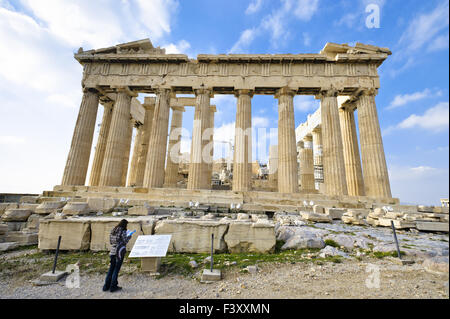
(250, 237)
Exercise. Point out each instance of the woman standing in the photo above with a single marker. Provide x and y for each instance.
(118, 240)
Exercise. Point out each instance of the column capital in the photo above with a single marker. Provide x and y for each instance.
(285, 91)
(327, 92)
(178, 108)
(165, 90)
(317, 129)
(243, 92)
(149, 102)
(125, 89)
(369, 91)
(307, 138)
(199, 91)
(90, 90)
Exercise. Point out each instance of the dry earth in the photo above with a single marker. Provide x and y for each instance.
(273, 280)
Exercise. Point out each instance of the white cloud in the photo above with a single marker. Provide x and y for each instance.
(181, 47)
(435, 120)
(305, 103)
(306, 39)
(276, 23)
(402, 99)
(103, 23)
(260, 121)
(254, 7)
(246, 38)
(425, 28)
(305, 9)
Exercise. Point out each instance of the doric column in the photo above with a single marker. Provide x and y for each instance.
(352, 161)
(287, 148)
(149, 106)
(134, 159)
(173, 152)
(126, 155)
(333, 157)
(376, 178)
(101, 144)
(273, 165)
(317, 151)
(80, 149)
(242, 169)
(307, 164)
(212, 110)
(197, 165)
(117, 144)
(156, 155)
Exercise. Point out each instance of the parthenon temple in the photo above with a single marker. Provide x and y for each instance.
(320, 160)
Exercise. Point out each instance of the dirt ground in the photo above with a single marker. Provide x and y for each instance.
(368, 278)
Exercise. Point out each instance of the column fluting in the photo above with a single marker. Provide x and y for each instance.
(80, 149)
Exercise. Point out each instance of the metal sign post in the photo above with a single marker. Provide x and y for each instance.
(396, 241)
(56, 255)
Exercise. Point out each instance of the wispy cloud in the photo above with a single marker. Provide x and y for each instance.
(254, 7)
(402, 99)
(276, 23)
(435, 120)
(427, 32)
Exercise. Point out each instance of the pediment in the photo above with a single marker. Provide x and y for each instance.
(130, 48)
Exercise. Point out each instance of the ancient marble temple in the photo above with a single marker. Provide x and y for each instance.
(321, 156)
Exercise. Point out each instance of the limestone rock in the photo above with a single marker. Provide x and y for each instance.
(16, 226)
(438, 264)
(75, 208)
(31, 207)
(5, 206)
(355, 216)
(242, 216)
(3, 229)
(423, 208)
(8, 246)
(140, 210)
(250, 237)
(432, 226)
(299, 241)
(313, 217)
(335, 213)
(342, 240)
(22, 237)
(76, 234)
(50, 207)
(193, 236)
(332, 251)
(33, 222)
(318, 209)
(105, 205)
(29, 199)
(16, 215)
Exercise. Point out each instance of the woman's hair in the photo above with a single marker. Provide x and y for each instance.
(121, 226)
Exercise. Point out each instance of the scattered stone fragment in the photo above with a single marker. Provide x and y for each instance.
(438, 264)
(16, 215)
(332, 251)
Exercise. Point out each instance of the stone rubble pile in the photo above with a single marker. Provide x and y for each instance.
(85, 224)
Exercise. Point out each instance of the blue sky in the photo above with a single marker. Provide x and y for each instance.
(40, 81)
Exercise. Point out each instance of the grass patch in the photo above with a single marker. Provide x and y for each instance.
(380, 254)
(331, 242)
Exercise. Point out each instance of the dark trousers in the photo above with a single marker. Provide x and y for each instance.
(113, 273)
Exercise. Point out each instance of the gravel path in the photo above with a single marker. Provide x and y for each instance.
(300, 280)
